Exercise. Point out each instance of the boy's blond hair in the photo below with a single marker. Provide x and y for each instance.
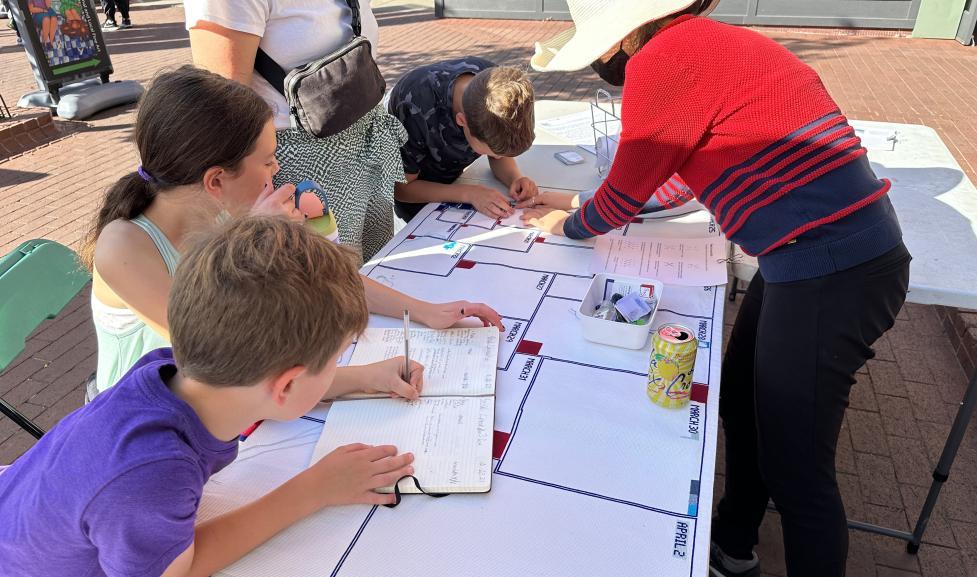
(259, 296)
(498, 105)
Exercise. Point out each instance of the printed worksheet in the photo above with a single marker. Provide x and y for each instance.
(683, 261)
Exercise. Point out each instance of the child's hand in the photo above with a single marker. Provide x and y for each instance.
(523, 190)
(545, 219)
(488, 201)
(278, 202)
(444, 315)
(387, 377)
(557, 200)
(351, 473)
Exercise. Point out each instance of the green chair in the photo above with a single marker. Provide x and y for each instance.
(37, 280)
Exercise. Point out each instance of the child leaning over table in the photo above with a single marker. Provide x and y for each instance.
(454, 112)
(113, 488)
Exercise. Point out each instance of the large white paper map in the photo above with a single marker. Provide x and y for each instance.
(589, 477)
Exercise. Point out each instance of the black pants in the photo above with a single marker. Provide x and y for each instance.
(786, 376)
(110, 7)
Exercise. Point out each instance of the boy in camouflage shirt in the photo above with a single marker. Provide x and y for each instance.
(454, 112)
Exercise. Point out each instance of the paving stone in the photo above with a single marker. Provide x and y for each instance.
(966, 536)
(886, 378)
(911, 461)
(867, 434)
(925, 321)
(940, 561)
(878, 480)
(17, 375)
(862, 395)
(913, 364)
(897, 417)
(927, 403)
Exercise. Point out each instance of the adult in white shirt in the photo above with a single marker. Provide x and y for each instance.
(357, 167)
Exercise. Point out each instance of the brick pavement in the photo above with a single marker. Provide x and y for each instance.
(901, 407)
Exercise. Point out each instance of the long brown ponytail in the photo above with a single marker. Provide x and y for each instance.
(189, 121)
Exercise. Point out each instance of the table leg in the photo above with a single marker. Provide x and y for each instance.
(942, 471)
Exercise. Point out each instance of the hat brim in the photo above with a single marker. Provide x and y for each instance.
(577, 47)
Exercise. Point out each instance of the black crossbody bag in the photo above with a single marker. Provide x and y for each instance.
(329, 94)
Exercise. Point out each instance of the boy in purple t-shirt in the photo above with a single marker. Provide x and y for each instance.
(259, 314)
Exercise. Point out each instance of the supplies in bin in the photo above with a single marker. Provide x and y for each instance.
(631, 308)
(614, 310)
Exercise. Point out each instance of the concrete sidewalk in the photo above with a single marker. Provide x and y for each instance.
(901, 407)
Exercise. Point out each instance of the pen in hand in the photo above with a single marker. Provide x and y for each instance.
(406, 346)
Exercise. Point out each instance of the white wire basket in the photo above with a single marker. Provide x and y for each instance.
(606, 117)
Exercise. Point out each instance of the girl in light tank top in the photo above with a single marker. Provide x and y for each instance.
(207, 149)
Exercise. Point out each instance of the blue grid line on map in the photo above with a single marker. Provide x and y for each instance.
(595, 495)
(352, 543)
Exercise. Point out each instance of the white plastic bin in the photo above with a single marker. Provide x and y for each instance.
(623, 335)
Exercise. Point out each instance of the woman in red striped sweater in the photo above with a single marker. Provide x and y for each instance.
(762, 145)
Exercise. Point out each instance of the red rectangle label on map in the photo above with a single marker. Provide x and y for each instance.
(540, 239)
(464, 263)
(528, 347)
(499, 440)
(700, 392)
(637, 221)
(411, 237)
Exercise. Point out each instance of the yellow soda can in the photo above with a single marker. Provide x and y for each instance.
(672, 363)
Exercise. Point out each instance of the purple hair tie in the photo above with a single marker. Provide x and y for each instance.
(145, 175)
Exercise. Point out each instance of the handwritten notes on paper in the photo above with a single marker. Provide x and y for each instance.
(682, 261)
(456, 361)
(450, 437)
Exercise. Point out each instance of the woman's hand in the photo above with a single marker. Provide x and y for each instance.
(546, 219)
(444, 315)
(387, 377)
(278, 202)
(550, 199)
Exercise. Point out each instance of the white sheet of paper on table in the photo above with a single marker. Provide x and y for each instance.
(450, 437)
(459, 361)
(576, 128)
(682, 261)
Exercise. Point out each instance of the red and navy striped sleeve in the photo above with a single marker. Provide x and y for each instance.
(653, 146)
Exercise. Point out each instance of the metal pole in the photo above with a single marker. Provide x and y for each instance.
(942, 472)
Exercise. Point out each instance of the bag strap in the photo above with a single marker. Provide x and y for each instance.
(270, 71)
(354, 6)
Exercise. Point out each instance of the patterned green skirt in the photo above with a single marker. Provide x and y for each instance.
(357, 168)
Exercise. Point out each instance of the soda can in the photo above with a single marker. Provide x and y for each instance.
(672, 363)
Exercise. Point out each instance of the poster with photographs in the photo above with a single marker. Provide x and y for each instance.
(64, 41)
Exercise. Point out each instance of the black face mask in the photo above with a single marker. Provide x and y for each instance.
(612, 71)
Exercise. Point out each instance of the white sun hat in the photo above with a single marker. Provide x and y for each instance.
(600, 24)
